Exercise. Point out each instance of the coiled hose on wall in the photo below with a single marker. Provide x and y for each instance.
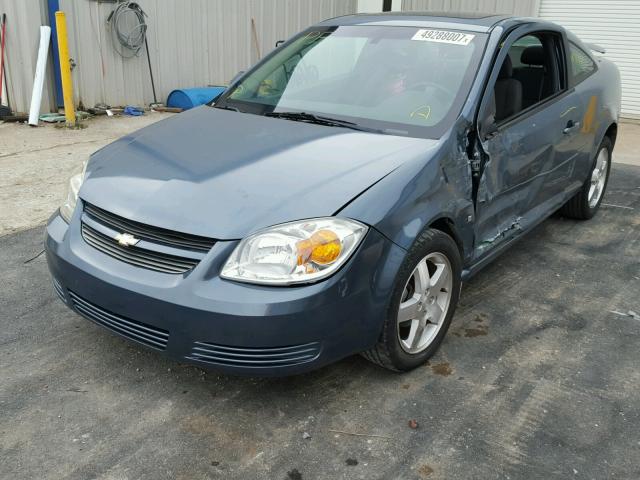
(128, 28)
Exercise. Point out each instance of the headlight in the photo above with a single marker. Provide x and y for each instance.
(69, 205)
(296, 252)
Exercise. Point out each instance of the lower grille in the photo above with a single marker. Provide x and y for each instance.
(140, 257)
(59, 290)
(136, 331)
(255, 357)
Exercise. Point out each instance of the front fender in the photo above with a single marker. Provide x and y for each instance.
(420, 192)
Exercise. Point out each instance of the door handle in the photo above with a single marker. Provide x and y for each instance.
(571, 125)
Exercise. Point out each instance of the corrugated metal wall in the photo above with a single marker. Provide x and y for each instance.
(23, 36)
(612, 25)
(191, 42)
(516, 7)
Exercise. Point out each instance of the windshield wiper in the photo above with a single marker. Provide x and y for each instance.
(321, 120)
(226, 107)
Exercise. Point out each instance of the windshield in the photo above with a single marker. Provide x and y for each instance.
(399, 80)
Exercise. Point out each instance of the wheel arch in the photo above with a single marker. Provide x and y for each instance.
(448, 226)
(612, 133)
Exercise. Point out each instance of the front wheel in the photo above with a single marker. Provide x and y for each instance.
(424, 299)
(586, 202)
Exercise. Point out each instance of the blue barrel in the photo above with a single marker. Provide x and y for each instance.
(187, 98)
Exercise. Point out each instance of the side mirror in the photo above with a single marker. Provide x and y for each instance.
(279, 42)
(487, 125)
(236, 77)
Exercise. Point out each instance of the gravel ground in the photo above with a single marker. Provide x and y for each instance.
(36, 163)
(538, 378)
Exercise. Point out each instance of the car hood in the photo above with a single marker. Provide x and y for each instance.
(224, 174)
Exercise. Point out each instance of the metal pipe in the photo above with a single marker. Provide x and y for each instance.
(65, 69)
(153, 85)
(38, 81)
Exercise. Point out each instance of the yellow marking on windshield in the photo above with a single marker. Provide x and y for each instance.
(424, 115)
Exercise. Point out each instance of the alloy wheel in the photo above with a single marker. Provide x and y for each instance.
(424, 303)
(598, 177)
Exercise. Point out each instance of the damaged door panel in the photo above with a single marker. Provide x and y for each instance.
(529, 137)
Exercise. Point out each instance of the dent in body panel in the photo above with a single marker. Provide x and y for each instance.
(503, 231)
(435, 185)
(531, 164)
(506, 185)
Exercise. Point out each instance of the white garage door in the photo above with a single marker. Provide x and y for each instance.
(613, 24)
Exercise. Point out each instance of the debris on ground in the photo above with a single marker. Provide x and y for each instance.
(442, 368)
(294, 474)
(425, 471)
(99, 109)
(133, 111)
(161, 108)
(59, 117)
(413, 424)
(616, 206)
(5, 112)
(306, 435)
(372, 435)
(630, 313)
(16, 117)
(352, 462)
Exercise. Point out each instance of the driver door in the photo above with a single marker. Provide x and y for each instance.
(529, 137)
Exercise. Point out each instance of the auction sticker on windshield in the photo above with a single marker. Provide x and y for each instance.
(443, 36)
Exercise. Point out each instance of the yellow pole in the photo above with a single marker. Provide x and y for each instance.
(65, 69)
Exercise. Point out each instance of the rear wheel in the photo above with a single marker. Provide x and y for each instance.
(586, 202)
(423, 302)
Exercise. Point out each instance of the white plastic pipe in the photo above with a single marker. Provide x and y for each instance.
(38, 81)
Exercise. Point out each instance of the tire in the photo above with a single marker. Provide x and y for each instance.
(580, 206)
(436, 250)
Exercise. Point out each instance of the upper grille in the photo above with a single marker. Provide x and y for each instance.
(147, 232)
(137, 331)
(140, 257)
(255, 357)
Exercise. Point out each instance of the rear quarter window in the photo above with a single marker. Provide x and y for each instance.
(581, 66)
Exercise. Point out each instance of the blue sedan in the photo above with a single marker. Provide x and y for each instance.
(335, 197)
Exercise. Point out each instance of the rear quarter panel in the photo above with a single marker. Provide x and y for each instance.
(600, 94)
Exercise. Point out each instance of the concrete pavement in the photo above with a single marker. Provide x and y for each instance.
(537, 378)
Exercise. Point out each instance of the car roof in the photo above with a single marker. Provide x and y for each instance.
(474, 21)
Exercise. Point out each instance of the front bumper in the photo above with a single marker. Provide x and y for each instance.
(237, 328)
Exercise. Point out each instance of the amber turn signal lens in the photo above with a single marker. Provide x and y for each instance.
(323, 248)
(326, 247)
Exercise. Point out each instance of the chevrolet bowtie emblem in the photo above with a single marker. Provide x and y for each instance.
(126, 239)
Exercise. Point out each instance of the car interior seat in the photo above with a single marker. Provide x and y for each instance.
(533, 75)
(508, 92)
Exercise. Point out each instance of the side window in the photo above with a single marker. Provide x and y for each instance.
(530, 73)
(581, 65)
(519, 46)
